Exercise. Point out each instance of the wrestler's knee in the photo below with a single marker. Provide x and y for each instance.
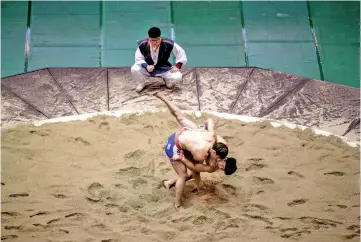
(183, 176)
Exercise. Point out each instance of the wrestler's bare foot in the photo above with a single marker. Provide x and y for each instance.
(178, 207)
(166, 184)
(158, 94)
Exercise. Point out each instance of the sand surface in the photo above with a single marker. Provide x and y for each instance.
(99, 180)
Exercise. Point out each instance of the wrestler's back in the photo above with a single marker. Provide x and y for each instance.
(196, 142)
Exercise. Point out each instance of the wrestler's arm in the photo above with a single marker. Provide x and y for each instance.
(202, 153)
(210, 127)
(197, 167)
(198, 158)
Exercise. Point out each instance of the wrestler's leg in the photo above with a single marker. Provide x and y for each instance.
(190, 174)
(174, 110)
(181, 171)
(171, 182)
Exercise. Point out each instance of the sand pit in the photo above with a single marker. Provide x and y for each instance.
(99, 180)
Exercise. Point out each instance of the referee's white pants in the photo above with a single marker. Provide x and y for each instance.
(140, 75)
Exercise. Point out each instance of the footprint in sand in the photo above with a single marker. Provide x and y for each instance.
(297, 202)
(263, 180)
(120, 186)
(293, 173)
(255, 159)
(341, 206)
(96, 192)
(231, 190)
(145, 231)
(296, 234)
(211, 195)
(130, 171)
(41, 225)
(24, 194)
(39, 214)
(351, 236)
(104, 125)
(283, 218)
(40, 132)
(249, 207)
(112, 208)
(258, 217)
(60, 196)
(75, 216)
(356, 232)
(82, 140)
(255, 166)
(10, 214)
(64, 231)
(200, 220)
(288, 229)
(335, 173)
(138, 182)
(12, 236)
(319, 222)
(221, 215)
(136, 205)
(53, 221)
(168, 236)
(142, 219)
(13, 227)
(150, 198)
(135, 155)
(353, 227)
(228, 138)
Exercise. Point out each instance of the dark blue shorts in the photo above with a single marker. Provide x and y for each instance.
(171, 148)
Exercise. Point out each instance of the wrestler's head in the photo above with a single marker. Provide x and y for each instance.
(231, 166)
(220, 149)
(228, 164)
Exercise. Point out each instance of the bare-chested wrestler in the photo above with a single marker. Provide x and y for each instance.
(190, 147)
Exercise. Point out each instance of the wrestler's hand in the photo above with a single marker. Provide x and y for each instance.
(212, 160)
(174, 69)
(150, 68)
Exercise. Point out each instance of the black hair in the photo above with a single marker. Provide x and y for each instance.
(231, 166)
(221, 149)
(154, 32)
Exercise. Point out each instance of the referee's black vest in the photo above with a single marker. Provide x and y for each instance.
(165, 49)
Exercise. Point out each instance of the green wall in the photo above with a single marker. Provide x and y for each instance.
(275, 35)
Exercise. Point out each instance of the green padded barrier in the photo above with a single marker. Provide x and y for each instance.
(337, 26)
(13, 31)
(216, 56)
(126, 22)
(64, 34)
(277, 22)
(279, 37)
(42, 57)
(104, 33)
(118, 57)
(298, 59)
(210, 32)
